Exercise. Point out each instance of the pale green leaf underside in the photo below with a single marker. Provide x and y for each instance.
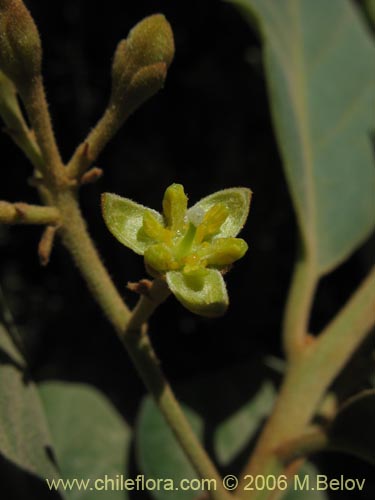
(233, 435)
(91, 439)
(24, 434)
(237, 201)
(159, 454)
(124, 219)
(206, 296)
(319, 62)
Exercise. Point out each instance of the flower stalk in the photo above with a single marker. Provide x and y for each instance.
(131, 329)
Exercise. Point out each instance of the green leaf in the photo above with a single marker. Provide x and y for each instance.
(233, 434)
(203, 293)
(91, 439)
(318, 60)
(229, 424)
(237, 202)
(24, 436)
(159, 455)
(352, 430)
(369, 6)
(124, 219)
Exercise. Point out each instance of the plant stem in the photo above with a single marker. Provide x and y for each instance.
(93, 145)
(34, 98)
(302, 446)
(309, 376)
(299, 303)
(22, 213)
(144, 358)
(16, 126)
(78, 242)
(130, 327)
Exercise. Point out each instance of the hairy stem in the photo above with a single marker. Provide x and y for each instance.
(22, 213)
(34, 98)
(130, 327)
(78, 242)
(141, 351)
(93, 145)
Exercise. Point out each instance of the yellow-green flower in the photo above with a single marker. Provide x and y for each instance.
(189, 248)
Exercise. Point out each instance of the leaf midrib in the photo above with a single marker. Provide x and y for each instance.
(296, 82)
(300, 100)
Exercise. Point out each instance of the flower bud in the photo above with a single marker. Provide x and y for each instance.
(146, 83)
(20, 46)
(149, 42)
(118, 63)
(155, 230)
(141, 61)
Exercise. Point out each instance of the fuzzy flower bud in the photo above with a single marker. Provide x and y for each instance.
(141, 61)
(149, 42)
(20, 46)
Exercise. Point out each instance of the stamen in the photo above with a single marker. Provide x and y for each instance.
(160, 258)
(223, 251)
(153, 229)
(175, 207)
(212, 222)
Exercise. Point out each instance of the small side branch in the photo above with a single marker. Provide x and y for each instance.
(46, 244)
(99, 137)
(22, 213)
(302, 446)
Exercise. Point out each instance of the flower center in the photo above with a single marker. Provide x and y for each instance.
(189, 240)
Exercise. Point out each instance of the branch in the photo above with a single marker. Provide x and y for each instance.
(139, 71)
(310, 375)
(46, 245)
(34, 98)
(140, 349)
(302, 446)
(298, 308)
(130, 328)
(22, 213)
(87, 152)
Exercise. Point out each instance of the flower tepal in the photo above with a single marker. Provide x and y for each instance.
(191, 248)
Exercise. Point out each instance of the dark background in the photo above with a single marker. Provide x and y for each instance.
(210, 128)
